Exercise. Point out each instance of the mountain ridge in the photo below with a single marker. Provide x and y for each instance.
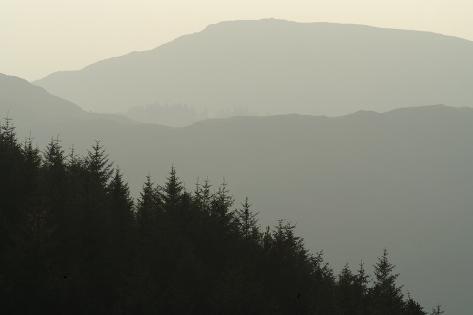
(137, 52)
(19, 99)
(277, 67)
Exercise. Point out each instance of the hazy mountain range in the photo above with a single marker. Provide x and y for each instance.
(276, 67)
(26, 102)
(361, 182)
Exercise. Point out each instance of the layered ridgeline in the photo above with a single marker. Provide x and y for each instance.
(352, 184)
(32, 104)
(22, 100)
(274, 66)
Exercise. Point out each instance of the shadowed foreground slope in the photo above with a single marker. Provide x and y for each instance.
(72, 242)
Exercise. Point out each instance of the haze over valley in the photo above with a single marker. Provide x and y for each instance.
(360, 136)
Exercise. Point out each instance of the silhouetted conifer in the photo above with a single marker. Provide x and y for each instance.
(98, 164)
(386, 295)
(203, 196)
(172, 191)
(247, 221)
(412, 307)
(149, 206)
(221, 204)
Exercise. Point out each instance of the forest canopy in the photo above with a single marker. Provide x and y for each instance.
(73, 240)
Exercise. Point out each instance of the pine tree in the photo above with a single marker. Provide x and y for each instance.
(286, 242)
(412, 307)
(347, 295)
(54, 155)
(247, 221)
(172, 191)
(202, 197)
(221, 205)
(8, 134)
(92, 177)
(31, 156)
(55, 196)
(267, 239)
(149, 206)
(387, 297)
(361, 279)
(35, 211)
(360, 285)
(120, 204)
(54, 181)
(98, 164)
(120, 237)
(31, 176)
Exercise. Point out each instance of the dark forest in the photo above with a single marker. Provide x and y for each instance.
(74, 241)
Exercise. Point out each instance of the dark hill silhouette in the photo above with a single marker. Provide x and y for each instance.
(401, 179)
(276, 67)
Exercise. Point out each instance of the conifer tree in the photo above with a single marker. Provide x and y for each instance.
(386, 295)
(31, 156)
(267, 239)
(54, 181)
(360, 290)
(98, 164)
(203, 196)
(412, 307)
(221, 204)
(36, 213)
(172, 191)
(8, 134)
(149, 205)
(247, 221)
(346, 294)
(120, 204)
(120, 237)
(361, 279)
(54, 155)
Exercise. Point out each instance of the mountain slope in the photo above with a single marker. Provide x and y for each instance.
(353, 184)
(275, 66)
(31, 104)
(18, 98)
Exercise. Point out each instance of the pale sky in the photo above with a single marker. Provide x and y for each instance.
(42, 36)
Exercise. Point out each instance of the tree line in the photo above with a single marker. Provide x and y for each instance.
(73, 241)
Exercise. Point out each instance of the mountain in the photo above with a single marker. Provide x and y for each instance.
(352, 184)
(31, 104)
(18, 98)
(275, 67)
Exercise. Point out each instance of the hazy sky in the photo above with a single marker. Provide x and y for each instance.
(42, 36)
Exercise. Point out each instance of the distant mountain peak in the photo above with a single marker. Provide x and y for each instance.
(273, 66)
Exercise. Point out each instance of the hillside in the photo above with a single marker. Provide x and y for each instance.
(31, 104)
(400, 179)
(19, 98)
(72, 237)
